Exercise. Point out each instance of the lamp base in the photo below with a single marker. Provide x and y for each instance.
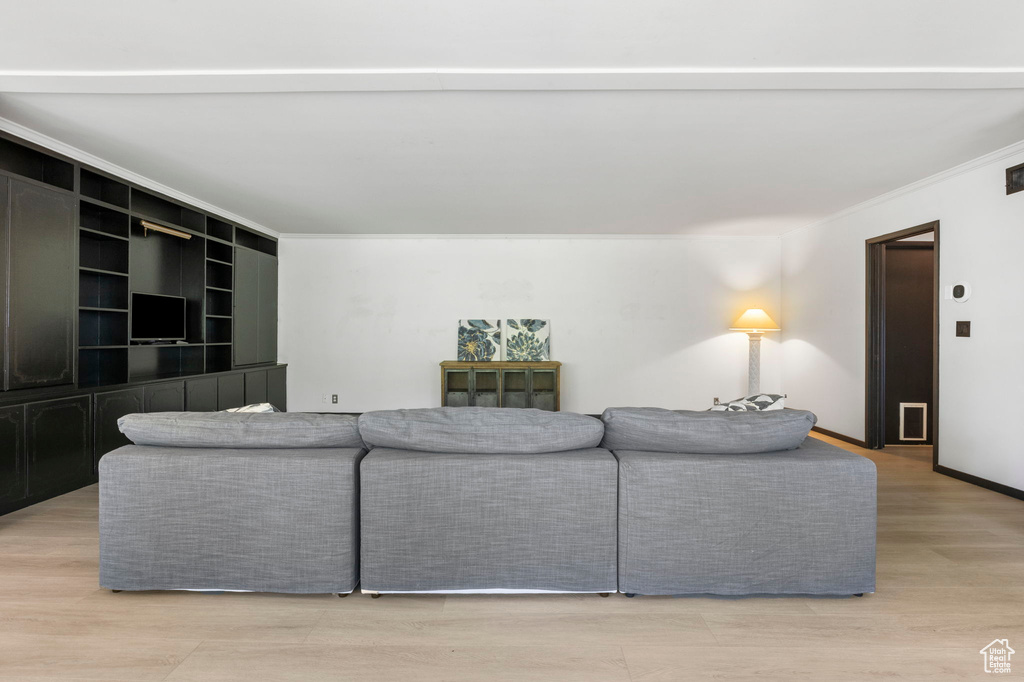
(754, 364)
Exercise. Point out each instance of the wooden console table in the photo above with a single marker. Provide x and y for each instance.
(501, 384)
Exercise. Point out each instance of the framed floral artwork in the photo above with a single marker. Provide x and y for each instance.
(527, 340)
(479, 340)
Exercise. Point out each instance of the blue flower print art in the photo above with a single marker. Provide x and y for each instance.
(479, 340)
(528, 340)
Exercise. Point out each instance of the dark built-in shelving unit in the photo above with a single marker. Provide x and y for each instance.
(72, 251)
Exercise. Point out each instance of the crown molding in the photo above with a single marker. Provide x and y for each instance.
(534, 237)
(966, 167)
(408, 80)
(112, 168)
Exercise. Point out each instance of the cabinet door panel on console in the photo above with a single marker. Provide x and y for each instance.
(12, 454)
(107, 409)
(41, 297)
(201, 394)
(255, 387)
(168, 397)
(59, 445)
(277, 388)
(230, 391)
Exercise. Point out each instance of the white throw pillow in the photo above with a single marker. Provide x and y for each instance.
(255, 407)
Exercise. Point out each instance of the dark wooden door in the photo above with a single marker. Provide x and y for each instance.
(230, 391)
(201, 394)
(909, 325)
(267, 309)
(277, 388)
(58, 445)
(166, 397)
(41, 297)
(107, 409)
(246, 311)
(12, 454)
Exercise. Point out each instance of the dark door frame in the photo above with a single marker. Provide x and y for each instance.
(874, 379)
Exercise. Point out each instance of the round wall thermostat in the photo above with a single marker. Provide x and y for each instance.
(960, 292)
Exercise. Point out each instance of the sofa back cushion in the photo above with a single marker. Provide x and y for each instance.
(653, 429)
(241, 430)
(480, 430)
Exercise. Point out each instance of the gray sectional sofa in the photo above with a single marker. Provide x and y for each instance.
(642, 501)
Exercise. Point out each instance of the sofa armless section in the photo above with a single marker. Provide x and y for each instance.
(263, 520)
(439, 522)
(789, 522)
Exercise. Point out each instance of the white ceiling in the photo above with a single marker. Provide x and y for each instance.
(454, 117)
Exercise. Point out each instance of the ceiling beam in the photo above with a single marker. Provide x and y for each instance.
(399, 80)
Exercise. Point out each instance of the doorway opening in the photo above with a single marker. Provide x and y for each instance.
(902, 381)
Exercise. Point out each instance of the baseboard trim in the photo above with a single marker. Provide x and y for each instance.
(839, 436)
(979, 481)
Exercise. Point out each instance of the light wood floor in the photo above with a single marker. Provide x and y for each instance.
(950, 580)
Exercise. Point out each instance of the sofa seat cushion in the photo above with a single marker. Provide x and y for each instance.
(654, 429)
(241, 430)
(444, 522)
(480, 430)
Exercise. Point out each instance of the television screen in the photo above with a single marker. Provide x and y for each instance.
(158, 318)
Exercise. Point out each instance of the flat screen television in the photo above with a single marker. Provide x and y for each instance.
(157, 318)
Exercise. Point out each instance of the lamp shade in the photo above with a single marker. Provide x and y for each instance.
(754, 320)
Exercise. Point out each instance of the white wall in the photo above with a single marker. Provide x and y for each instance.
(635, 321)
(981, 241)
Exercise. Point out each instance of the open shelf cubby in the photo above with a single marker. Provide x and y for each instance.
(102, 290)
(102, 219)
(257, 242)
(102, 188)
(102, 366)
(218, 358)
(100, 251)
(218, 303)
(218, 330)
(102, 328)
(219, 229)
(218, 275)
(165, 211)
(165, 361)
(35, 165)
(219, 252)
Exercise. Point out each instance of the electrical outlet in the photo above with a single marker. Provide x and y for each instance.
(963, 328)
(334, 398)
(326, 398)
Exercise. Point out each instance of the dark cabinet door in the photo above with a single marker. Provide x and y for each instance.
(107, 409)
(230, 391)
(5, 189)
(255, 387)
(266, 350)
(168, 397)
(201, 394)
(246, 311)
(12, 454)
(277, 388)
(41, 295)
(58, 445)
